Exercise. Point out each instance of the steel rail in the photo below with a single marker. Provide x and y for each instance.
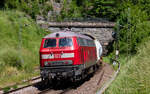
(107, 84)
(31, 84)
(49, 90)
(45, 91)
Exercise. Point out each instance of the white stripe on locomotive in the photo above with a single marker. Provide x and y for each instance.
(67, 55)
(64, 55)
(47, 56)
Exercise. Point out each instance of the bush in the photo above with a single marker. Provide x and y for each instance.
(12, 58)
(31, 7)
(71, 10)
(20, 43)
(134, 28)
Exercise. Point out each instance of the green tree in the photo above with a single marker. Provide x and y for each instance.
(134, 28)
(104, 9)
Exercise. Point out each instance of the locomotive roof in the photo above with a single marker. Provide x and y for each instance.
(66, 34)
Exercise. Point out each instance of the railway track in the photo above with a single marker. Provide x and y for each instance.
(101, 73)
(107, 84)
(35, 83)
(92, 82)
(50, 91)
(31, 82)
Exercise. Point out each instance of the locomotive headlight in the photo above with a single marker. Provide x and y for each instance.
(68, 62)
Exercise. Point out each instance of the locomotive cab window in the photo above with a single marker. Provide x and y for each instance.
(81, 41)
(50, 43)
(85, 42)
(65, 42)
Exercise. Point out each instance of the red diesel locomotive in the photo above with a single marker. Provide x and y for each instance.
(68, 55)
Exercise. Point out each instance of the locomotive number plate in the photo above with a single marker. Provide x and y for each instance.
(57, 55)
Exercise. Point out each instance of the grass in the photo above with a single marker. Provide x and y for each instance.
(134, 75)
(109, 59)
(20, 39)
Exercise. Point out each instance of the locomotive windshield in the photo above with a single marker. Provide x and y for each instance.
(65, 42)
(50, 43)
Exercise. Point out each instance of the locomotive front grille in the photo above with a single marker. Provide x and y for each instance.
(58, 68)
(58, 63)
(53, 70)
(64, 71)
